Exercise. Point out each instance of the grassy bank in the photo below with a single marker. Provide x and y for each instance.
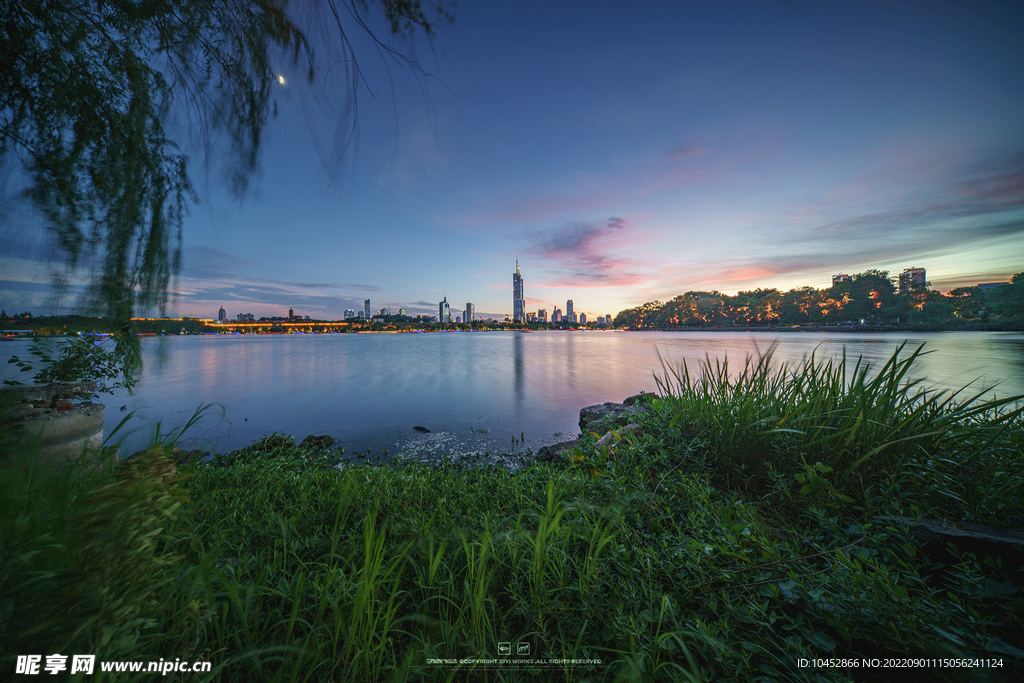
(734, 536)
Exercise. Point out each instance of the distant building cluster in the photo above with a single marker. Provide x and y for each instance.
(910, 279)
(444, 311)
(520, 314)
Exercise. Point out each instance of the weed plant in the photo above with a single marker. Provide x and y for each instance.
(849, 435)
(733, 537)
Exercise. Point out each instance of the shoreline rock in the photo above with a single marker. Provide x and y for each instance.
(967, 537)
(614, 419)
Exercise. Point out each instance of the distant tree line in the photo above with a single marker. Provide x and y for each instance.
(871, 297)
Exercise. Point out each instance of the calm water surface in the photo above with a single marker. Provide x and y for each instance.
(500, 392)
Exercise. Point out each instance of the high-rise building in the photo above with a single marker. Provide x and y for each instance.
(841, 277)
(366, 309)
(401, 312)
(542, 315)
(911, 279)
(518, 302)
(469, 313)
(349, 313)
(570, 317)
(222, 316)
(556, 315)
(583, 318)
(291, 314)
(444, 311)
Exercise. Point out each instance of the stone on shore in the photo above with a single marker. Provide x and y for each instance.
(608, 416)
(982, 540)
(322, 442)
(641, 398)
(270, 443)
(612, 438)
(558, 453)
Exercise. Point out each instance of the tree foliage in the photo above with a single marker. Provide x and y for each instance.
(90, 92)
(870, 296)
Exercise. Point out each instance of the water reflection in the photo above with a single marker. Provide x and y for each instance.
(370, 390)
(520, 373)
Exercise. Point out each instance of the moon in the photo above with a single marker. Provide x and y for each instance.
(280, 79)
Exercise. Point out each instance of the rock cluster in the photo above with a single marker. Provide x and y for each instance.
(34, 401)
(322, 442)
(615, 420)
(982, 540)
(58, 420)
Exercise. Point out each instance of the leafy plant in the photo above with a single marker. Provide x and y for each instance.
(76, 360)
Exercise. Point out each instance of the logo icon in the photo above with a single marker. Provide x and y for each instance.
(522, 648)
(504, 649)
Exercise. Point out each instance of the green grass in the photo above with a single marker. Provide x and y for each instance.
(733, 537)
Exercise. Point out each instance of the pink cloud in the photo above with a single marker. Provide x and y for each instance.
(588, 254)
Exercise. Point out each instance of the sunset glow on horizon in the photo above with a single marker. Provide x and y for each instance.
(626, 155)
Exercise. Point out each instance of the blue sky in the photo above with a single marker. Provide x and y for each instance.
(625, 152)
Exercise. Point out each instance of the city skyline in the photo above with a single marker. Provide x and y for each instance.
(626, 156)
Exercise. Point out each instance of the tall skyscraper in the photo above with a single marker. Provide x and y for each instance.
(469, 313)
(518, 302)
(222, 316)
(556, 315)
(291, 314)
(570, 317)
(366, 309)
(350, 313)
(542, 315)
(444, 312)
(583, 318)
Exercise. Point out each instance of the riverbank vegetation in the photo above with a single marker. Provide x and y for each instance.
(749, 526)
(870, 298)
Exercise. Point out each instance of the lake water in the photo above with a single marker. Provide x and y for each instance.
(496, 392)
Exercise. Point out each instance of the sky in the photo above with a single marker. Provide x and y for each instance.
(623, 153)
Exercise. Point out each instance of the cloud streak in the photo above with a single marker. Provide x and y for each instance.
(587, 254)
